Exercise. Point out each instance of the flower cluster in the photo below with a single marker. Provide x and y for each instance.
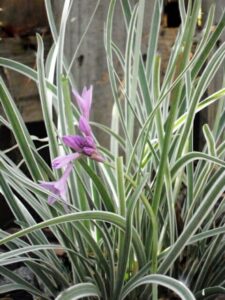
(82, 144)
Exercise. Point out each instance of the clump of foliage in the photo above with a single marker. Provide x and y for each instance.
(117, 213)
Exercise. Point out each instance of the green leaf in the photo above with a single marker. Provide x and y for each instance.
(24, 70)
(47, 114)
(87, 215)
(176, 286)
(195, 222)
(21, 282)
(20, 131)
(79, 291)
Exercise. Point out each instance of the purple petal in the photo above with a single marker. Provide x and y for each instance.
(84, 126)
(59, 187)
(88, 151)
(84, 101)
(75, 142)
(87, 96)
(89, 142)
(51, 200)
(48, 185)
(79, 100)
(66, 174)
(61, 184)
(96, 156)
(62, 161)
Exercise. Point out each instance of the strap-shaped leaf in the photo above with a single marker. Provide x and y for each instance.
(79, 291)
(177, 286)
(20, 131)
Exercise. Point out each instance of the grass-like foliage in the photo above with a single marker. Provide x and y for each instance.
(144, 217)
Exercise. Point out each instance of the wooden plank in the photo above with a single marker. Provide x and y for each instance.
(22, 89)
(209, 114)
(22, 17)
(17, 30)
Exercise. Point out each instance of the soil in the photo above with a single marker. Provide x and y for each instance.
(18, 295)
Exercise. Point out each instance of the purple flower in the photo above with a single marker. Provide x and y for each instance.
(78, 142)
(59, 187)
(64, 160)
(81, 144)
(84, 101)
(84, 145)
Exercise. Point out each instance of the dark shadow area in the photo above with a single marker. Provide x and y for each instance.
(172, 13)
(36, 129)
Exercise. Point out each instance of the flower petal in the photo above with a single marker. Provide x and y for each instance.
(84, 126)
(75, 142)
(89, 142)
(88, 151)
(87, 96)
(62, 161)
(48, 185)
(79, 100)
(61, 183)
(51, 200)
(97, 156)
(84, 101)
(59, 187)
